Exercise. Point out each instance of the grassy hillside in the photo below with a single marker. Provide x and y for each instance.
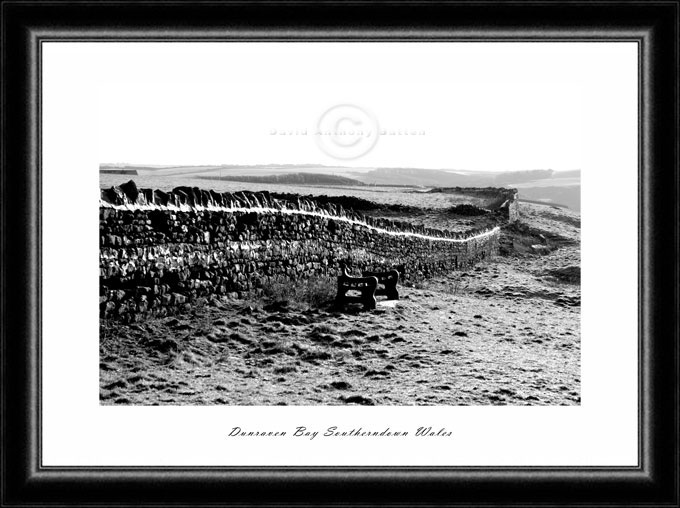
(505, 332)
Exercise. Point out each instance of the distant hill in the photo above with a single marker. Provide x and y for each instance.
(290, 178)
(422, 178)
(443, 178)
(514, 177)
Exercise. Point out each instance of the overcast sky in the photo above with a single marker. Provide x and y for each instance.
(467, 106)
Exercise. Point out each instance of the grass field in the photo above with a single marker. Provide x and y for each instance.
(506, 332)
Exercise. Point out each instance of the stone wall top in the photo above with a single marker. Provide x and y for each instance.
(187, 199)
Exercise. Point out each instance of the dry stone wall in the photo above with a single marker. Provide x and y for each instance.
(162, 252)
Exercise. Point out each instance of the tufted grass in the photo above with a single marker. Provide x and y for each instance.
(313, 292)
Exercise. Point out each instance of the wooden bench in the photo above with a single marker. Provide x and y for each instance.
(389, 280)
(365, 285)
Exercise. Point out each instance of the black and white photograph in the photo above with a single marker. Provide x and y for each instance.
(375, 237)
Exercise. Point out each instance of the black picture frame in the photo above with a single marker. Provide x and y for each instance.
(654, 25)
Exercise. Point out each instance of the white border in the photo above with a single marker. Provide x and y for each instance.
(602, 431)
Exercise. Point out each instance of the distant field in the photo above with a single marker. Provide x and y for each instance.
(420, 177)
(396, 186)
(382, 195)
(568, 195)
(289, 179)
(550, 182)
